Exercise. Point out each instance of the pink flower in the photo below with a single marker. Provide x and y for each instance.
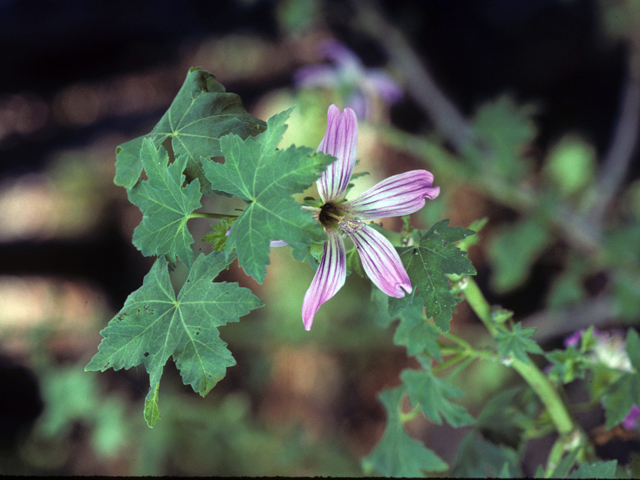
(397, 195)
(350, 74)
(630, 422)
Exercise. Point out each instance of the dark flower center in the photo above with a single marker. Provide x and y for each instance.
(328, 214)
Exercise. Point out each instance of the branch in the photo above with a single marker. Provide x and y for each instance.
(419, 82)
(623, 144)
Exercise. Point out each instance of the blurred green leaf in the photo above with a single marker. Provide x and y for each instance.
(165, 205)
(513, 251)
(508, 129)
(397, 454)
(567, 288)
(416, 332)
(433, 394)
(624, 392)
(480, 459)
(427, 264)
(516, 342)
(507, 415)
(565, 464)
(567, 365)
(71, 395)
(266, 178)
(596, 470)
(200, 114)
(571, 165)
(154, 325)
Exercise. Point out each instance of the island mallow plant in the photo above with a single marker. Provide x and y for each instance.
(207, 144)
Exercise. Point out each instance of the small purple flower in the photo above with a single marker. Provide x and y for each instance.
(630, 422)
(608, 349)
(397, 195)
(348, 72)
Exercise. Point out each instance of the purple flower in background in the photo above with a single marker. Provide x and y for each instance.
(608, 349)
(574, 339)
(397, 195)
(630, 422)
(348, 72)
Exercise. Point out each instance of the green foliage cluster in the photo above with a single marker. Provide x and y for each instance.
(168, 171)
(155, 324)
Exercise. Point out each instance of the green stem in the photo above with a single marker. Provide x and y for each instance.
(556, 408)
(218, 216)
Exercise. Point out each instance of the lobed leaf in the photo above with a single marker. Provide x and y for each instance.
(153, 325)
(201, 113)
(427, 265)
(397, 454)
(517, 343)
(433, 394)
(165, 205)
(266, 179)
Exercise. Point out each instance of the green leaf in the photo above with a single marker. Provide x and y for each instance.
(633, 349)
(218, 235)
(517, 343)
(397, 454)
(200, 114)
(417, 333)
(513, 251)
(433, 394)
(564, 466)
(571, 165)
(507, 128)
(154, 325)
(266, 179)
(596, 470)
(165, 205)
(151, 408)
(567, 364)
(427, 265)
(507, 416)
(480, 459)
(625, 391)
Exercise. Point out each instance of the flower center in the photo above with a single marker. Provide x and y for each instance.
(350, 225)
(328, 215)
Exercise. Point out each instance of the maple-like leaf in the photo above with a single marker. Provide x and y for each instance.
(433, 394)
(397, 454)
(266, 179)
(427, 264)
(165, 206)
(154, 325)
(517, 343)
(200, 114)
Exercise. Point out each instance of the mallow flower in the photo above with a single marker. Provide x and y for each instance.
(397, 195)
(348, 73)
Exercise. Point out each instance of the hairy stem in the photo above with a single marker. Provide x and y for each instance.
(571, 436)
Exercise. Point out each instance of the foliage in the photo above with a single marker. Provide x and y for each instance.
(208, 145)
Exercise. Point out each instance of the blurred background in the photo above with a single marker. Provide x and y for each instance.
(549, 87)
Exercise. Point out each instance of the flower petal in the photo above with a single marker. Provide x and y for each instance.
(340, 141)
(397, 195)
(381, 262)
(384, 85)
(341, 54)
(329, 278)
(316, 76)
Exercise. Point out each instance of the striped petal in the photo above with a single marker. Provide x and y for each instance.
(329, 278)
(340, 141)
(381, 262)
(395, 196)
